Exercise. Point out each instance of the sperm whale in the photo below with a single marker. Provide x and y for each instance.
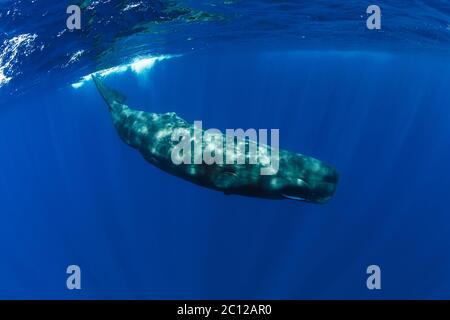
(298, 177)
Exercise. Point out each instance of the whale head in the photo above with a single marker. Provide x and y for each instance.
(304, 178)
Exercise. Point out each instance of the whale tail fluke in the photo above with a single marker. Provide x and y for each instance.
(112, 97)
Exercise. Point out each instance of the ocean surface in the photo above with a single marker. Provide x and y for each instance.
(372, 103)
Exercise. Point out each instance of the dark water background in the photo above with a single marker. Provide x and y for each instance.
(375, 105)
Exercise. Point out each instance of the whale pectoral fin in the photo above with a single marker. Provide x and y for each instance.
(226, 180)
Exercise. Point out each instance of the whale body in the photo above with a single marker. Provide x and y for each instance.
(298, 177)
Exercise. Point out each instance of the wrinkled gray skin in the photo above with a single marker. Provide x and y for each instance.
(299, 177)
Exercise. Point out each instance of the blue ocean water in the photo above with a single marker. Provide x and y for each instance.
(374, 104)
